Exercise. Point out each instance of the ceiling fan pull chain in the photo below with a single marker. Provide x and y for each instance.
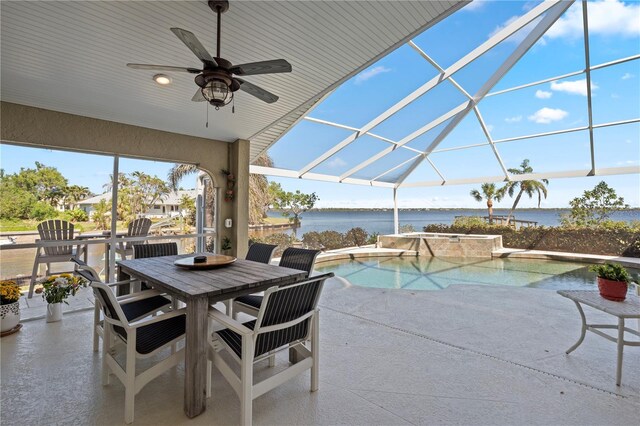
(207, 125)
(233, 105)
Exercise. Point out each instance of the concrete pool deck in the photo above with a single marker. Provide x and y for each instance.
(463, 355)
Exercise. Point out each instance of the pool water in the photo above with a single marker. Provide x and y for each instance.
(431, 273)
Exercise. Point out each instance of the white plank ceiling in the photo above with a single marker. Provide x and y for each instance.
(70, 56)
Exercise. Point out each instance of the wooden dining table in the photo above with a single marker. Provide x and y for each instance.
(198, 289)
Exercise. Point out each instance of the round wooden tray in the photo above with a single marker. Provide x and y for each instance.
(213, 261)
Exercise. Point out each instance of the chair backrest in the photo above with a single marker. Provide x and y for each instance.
(86, 271)
(56, 230)
(259, 252)
(287, 304)
(141, 251)
(139, 227)
(110, 306)
(298, 258)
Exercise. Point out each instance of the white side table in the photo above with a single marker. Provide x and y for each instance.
(629, 308)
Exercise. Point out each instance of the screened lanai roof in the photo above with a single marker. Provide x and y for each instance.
(471, 97)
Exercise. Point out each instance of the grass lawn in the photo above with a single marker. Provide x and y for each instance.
(7, 225)
(276, 220)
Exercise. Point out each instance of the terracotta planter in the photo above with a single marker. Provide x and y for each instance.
(612, 290)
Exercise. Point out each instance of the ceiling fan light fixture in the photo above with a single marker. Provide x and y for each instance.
(162, 79)
(217, 93)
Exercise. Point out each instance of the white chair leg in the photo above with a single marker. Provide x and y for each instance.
(96, 321)
(246, 378)
(315, 350)
(34, 274)
(106, 347)
(209, 371)
(48, 269)
(272, 360)
(130, 385)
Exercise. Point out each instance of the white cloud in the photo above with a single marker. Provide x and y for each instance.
(627, 76)
(542, 94)
(607, 17)
(474, 5)
(547, 115)
(575, 87)
(370, 73)
(515, 119)
(615, 96)
(337, 162)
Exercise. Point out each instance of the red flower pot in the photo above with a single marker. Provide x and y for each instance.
(612, 290)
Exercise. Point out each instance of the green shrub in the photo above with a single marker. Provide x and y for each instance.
(593, 240)
(332, 240)
(373, 238)
(15, 203)
(312, 240)
(468, 221)
(355, 237)
(611, 271)
(406, 229)
(282, 240)
(75, 215)
(41, 211)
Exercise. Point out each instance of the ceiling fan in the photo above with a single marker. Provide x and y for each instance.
(216, 78)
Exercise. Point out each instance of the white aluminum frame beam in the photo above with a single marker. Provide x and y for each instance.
(355, 129)
(503, 34)
(587, 63)
(609, 171)
(552, 14)
(273, 171)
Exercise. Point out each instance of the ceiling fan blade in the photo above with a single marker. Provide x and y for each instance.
(192, 42)
(256, 91)
(198, 97)
(263, 67)
(163, 68)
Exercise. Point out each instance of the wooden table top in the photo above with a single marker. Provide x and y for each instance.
(628, 308)
(238, 278)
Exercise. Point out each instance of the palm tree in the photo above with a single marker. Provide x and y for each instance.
(529, 187)
(489, 193)
(75, 193)
(258, 186)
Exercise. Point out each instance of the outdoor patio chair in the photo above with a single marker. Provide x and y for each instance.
(53, 230)
(258, 252)
(143, 339)
(294, 258)
(137, 228)
(142, 308)
(143, 251)
(288, 317)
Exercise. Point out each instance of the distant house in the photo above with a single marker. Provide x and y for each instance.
(169, 206)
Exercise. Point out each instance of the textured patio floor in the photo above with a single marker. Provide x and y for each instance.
(464, 355)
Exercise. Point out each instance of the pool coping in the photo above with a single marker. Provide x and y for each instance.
(371, 251)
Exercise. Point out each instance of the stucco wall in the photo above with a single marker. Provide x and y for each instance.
(50, 129)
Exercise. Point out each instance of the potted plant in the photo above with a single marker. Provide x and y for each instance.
(613, 280)
(55, 290)
(9, 306)
(225, 247)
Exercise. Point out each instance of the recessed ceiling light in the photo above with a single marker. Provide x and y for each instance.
(162, 79)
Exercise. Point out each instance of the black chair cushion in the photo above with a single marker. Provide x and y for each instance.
(294, 258)
(144, 307)
(251, 300)
(266, 342)
(153, 336)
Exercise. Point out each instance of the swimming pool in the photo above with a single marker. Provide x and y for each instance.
(436, 273)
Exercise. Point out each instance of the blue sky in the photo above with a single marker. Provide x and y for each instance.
(551, 106)
(557, 105)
